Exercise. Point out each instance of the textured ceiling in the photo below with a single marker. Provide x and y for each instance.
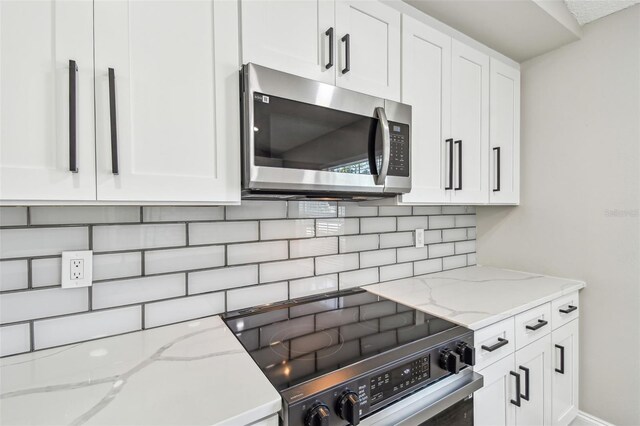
(586, 11)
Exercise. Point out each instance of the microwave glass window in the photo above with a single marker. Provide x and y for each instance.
(295, 135)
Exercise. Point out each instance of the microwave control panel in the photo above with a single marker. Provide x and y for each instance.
(399, 161)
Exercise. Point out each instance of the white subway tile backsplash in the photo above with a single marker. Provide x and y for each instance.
(314, 285)
(412, 223)
(78, 215)
(453, 262)
(457, 209)
(92, 325)
(377, 258)
(433, 236)
(183, 259)
(181, 214)
(377, 224)
(467, 220)
(126, 292)
(183, 309)
(15, 339)
(313, 247)
(427, 210)
(301, 209)
(257, 252)
(471, 259)
(222, 278)
(395, 272)
(341, 226)
(440, 250)
(346, 209)
(457, 234)
(349, 244)
(463, 247)
(135, 237)
(427, 266)
(408, 254)
(285, 229)
(395, 211)
(258, 210)
(288, 269)
(117, 265)
(358, 278)
(13, 216)
(23, 242)
(46, 272)
(13, 275)
(396, 239)
(222, 232)
(471, 233)
(337, 263)
(440, 222)
(256, 295)
(26, 305)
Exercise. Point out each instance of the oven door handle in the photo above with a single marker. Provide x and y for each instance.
(386, 145)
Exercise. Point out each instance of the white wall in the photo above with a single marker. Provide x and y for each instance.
(580, 211)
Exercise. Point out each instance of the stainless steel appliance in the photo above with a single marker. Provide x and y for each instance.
(305, 139)
(356, 358)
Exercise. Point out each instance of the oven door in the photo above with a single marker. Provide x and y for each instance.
(302, 136)
(447, 402)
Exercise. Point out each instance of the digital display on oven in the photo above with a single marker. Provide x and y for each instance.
(389, 383)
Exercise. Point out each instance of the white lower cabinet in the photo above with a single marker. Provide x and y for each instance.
(535, 385)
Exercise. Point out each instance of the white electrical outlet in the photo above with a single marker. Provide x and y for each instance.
(77, 269)
(419, 237)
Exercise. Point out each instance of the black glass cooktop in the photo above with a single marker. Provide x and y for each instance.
(298, 341)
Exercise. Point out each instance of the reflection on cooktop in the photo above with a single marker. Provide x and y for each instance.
(297, 342)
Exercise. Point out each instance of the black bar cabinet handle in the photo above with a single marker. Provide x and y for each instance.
(73, 125)
(459, 143)
(112, 116)
(525, 396)
(347, 53)
(569, 309)
(501, 342)
(329, 33)
(517, 402)
(497, 151)
(450, 184)
(561, 369)
(541, 323)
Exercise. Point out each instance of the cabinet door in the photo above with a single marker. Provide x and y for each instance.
(564, 385)
(504, 134)
(535, 408)
(175, 79)
(470, 124)
(290, 36)
(37, 41)
(368, 48)
(426, 76)
(492, 404)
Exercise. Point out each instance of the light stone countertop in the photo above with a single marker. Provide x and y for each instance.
(476, 296)
(193, 373)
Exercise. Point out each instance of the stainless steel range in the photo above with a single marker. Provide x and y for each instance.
(356, 358)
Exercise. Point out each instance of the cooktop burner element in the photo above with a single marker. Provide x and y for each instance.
(316, 345)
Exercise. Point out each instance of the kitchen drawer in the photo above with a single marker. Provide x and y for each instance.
(569, 303)
(499, 336)
(532, 325)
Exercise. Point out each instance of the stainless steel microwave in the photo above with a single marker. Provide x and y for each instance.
(306, 139)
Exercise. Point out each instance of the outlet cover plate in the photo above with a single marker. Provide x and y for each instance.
(86, 256)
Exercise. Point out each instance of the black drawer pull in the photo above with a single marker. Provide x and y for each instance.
(516, 401)
(459, 187)
(73, 126)
(501, 342)
(569, 309)
(347, 53)
(112, 121)
(525, 396)
(330, 34)
(450, 183)
(538, 326)
(561, 369)
(497, 151)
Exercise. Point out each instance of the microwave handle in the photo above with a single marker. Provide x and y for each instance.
(386, 145)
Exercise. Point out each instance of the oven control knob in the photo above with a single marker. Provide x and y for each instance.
(318, 416)
(450, 361)
(467, 353)
(349, 407)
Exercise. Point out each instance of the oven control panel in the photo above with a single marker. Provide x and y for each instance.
(391, 382)
(399, 160)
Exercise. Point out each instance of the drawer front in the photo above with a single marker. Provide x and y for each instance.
(493, 342)
(532, 325)
(565, 309)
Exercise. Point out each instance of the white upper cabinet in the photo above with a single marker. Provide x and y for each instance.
(470, 124)
(292, 36)
(426, 77)
(167, 105)
(504, 100)
(39, 88)
(369, 48)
